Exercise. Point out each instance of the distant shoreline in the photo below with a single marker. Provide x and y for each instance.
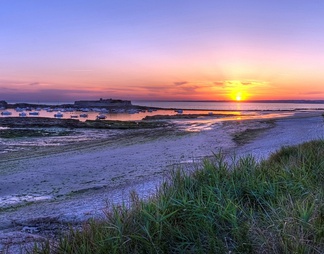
(206, 105)
(243, 101)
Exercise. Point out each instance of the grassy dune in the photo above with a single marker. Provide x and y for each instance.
(242, 206)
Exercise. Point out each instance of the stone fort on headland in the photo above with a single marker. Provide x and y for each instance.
(103, 103)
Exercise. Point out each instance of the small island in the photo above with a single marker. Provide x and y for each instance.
(101, 103)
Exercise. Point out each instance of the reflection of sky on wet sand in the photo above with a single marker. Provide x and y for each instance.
(206, 123)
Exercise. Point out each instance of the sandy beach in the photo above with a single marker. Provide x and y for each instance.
(47, 190)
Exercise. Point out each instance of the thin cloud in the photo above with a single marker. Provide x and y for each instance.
(189, 89)
(6, 83)
(34, 84)
(8, 89)
(180, 83)
(218, 83)
(62, 91)
(313, 93)
(153, 88)
(254, 83)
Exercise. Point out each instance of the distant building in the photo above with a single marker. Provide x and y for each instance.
(103, 103)
(3, 104)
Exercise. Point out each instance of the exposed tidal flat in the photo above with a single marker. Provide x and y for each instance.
(46, 188)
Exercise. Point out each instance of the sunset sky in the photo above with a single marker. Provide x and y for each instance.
(66, 50)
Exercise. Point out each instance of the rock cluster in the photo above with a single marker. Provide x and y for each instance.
(44, 122)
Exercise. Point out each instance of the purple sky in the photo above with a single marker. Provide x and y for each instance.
(69, 50)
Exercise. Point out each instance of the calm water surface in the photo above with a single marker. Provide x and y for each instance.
(240, 110)
(232, 106)
(192, 107)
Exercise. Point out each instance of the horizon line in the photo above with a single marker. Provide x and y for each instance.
(232, 101)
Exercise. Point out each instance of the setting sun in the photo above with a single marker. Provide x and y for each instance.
(238, 95)
(238, 90)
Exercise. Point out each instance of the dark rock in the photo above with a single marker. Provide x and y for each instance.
(43, 122)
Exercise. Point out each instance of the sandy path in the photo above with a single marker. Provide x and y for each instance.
(78, 183)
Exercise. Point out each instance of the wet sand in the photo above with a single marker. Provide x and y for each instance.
(50, 189)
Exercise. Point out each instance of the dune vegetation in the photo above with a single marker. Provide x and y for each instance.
(225, 206)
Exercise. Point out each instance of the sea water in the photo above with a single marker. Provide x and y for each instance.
(189, 107)
(235, 106)
(239, 111)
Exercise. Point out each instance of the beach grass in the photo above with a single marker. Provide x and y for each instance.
(225, 206)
